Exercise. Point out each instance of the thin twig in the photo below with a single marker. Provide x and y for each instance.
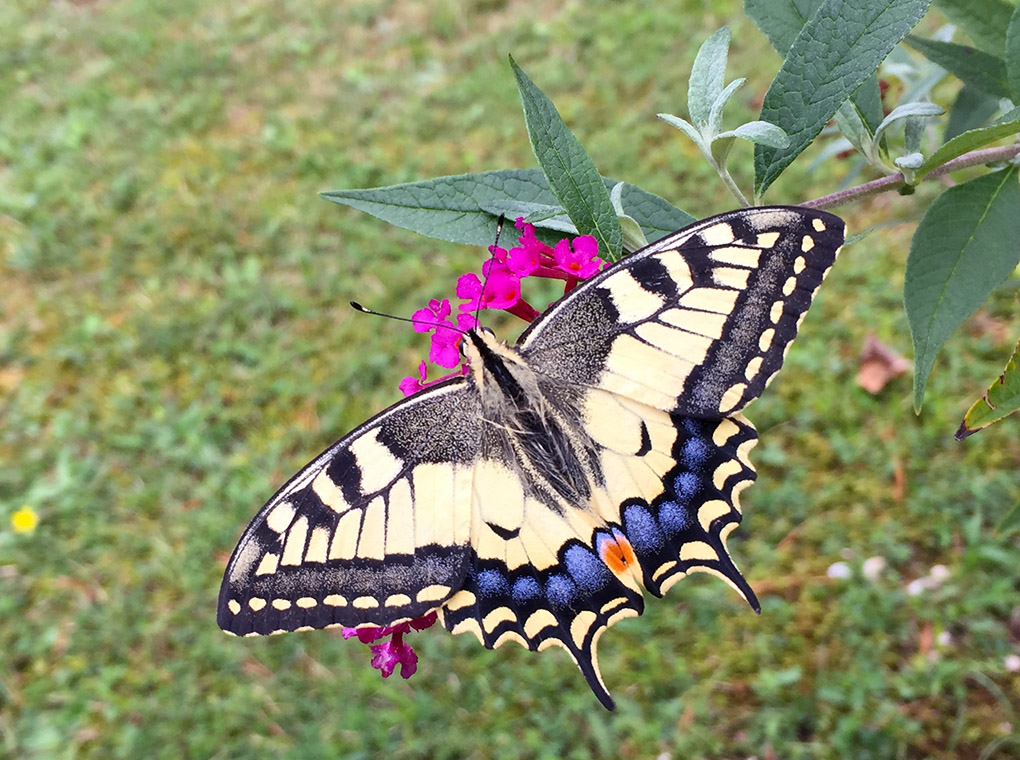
(896, 181)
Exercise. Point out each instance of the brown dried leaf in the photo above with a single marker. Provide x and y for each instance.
(878, 365)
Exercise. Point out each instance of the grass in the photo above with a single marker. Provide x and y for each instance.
(175, 342)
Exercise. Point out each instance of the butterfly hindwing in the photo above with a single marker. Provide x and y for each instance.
(374, 531)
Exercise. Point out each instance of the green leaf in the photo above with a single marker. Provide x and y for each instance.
(970, 110)
(706, 81)
(715, 114)
(572, 175)
(964, 247)
(1008, 125)
(840, 47)
(686, 127)
(975, 67)
(1000, 400)
(984, 21)
(463, 208)
(781, 21)
(760, 133)
(906, 110)
(1013, 55)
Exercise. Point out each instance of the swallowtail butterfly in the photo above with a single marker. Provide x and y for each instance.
(533, 499)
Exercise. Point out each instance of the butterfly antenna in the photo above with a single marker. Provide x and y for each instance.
(365, 310)
(492, 256)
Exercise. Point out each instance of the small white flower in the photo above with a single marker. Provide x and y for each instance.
(939, 573)
(1012, 662)
(873, 567)
(944, 639)
(839, 570)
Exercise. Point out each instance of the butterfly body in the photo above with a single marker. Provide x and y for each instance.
(535, 498)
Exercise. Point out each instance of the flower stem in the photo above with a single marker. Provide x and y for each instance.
(896, 181)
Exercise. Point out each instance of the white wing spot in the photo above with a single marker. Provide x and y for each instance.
(268, 564)
(335, 600)
(776, 312)
(397, 600)
(767, 239)
(807, 243)
(433, 593)
(753, 367)
(233, 606)
(818, 224)
(717, 234)
(281, 604)
(789, 286)
(257, 603)
(294, 549)
(765, 341)
(799, 263)
(281, 516)
(306, 602)
(366, 602)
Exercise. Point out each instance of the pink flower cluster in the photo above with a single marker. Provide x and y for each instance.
(570, 260)
(389, 654)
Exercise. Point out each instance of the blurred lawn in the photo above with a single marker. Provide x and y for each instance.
(175, 342)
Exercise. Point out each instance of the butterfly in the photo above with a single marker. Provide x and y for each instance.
(535, 498)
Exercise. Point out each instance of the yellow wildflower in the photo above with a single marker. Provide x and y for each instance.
(24, 520)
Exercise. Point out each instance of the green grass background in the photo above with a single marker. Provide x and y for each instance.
(175, 342)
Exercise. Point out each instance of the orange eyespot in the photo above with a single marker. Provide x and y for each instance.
(617, 553)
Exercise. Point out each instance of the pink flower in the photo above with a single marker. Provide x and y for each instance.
(502, 288)
(581, 261)
(411, 385)
(388, 655)
(445, 339)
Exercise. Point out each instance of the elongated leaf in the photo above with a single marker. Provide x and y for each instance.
(964, 247)
(975, 67)
(971, 109)
(1000, 400)
(572, 175)
(984, 21)
(840, 47)
(781, 21)
(907, 110)
(462, 208)
(972, 140)
(706, 81)
(1013, 55)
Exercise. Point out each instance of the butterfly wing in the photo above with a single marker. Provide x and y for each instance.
(665, 348)
(698, 322)
(374, 531)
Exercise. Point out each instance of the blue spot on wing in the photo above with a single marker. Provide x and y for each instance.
(686, 484)
(526, 590)
(560, 590)
(587, 570)
(674, 517)
(492, 583)
(641, 529)
(695, 452)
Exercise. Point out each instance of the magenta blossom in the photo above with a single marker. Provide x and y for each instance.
(389, 654)
(580, 261)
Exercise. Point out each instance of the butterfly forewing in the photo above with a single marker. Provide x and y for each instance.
(375, 530)
(698, 322)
